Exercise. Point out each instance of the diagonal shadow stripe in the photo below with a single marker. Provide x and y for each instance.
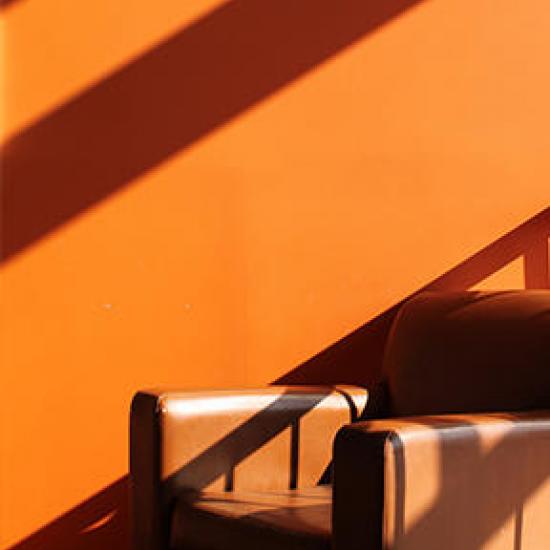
(166, 100)
(4, 4)
(357, 358)
(237, 445)
(100, 522)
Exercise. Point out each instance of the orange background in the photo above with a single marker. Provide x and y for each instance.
(351, 157)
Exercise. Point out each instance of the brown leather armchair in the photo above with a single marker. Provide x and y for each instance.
(456, 454)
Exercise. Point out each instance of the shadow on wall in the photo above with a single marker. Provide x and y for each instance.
(6, 3)
(357, 358)
(178, 92)
(101, 521)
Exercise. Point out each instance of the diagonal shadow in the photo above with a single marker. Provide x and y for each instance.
(4, 4)
(166, 100)
(98, 523)
(356, 359)
(221, 458)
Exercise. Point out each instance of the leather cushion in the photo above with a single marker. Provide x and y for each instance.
(452, 482)
(297, 519)
(470, 352)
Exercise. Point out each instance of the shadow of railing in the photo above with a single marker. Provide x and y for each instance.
(101, 521)
(357, 358)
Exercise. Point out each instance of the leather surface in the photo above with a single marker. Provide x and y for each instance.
(470, 351)
(473, 481)
(274, 438)
(295, 519)
(457, 482)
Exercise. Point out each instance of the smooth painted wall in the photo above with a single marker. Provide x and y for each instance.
(208, 195)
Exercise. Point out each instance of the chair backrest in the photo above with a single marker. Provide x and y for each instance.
(469, 352)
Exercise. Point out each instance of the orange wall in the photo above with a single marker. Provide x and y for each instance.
(409, 141)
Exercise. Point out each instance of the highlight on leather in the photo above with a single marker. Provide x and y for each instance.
(451, 481)
(186, 446)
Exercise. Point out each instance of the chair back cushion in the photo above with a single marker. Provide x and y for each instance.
(468, 352)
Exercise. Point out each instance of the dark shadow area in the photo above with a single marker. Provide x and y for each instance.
(357, 358)
(7, 3)
(166, 100)
(98, 523)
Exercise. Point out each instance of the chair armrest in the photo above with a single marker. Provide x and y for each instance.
(450, 481)
(268, 438)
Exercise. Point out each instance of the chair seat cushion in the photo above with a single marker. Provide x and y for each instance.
(293, 519)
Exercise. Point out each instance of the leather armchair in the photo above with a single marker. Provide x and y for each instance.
(455, 454)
